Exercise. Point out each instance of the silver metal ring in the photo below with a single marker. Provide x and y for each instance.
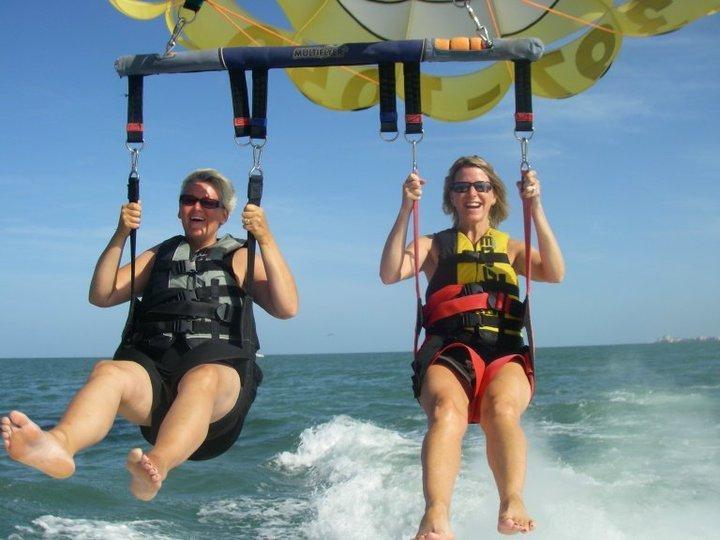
(397, 134)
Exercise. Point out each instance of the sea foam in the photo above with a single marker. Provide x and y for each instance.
(48, 526)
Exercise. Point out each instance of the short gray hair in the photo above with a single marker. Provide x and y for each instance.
(219, 182)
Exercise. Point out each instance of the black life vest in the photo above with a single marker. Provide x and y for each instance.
(196, 296)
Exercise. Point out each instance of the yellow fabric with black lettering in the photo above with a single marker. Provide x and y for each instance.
(583, 38)
(493, 241)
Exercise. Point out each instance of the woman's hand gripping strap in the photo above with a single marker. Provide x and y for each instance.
(523, 133)
(134, 143)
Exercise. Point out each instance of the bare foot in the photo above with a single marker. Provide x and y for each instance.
(514, 517)
(434, 526)
(146, 478)
(26, 443)
(433, 536)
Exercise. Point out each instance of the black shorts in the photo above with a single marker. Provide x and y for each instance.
(167, 364)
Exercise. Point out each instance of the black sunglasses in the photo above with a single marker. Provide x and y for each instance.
(464, 187)
(190, 200)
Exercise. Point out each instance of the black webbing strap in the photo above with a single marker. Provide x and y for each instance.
(255, 188)
(258, 122)
(191, 267)
(181, 326)
(135, 109)
(241, 110)
(479, 257)
(198, 295)
(413, 105)
(215, 295)
(135, 135)
(193, 5)
(388, 105)
(523, 96)
(258, 130)
(133, 196)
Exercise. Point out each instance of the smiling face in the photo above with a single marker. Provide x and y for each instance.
(201, 224)
(472, 207)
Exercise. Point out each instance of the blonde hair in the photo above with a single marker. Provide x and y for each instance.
(218, 181)
(499, 210)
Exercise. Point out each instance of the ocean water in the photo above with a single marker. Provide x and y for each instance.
(624, 444)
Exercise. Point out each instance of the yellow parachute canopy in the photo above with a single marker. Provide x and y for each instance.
(582, 38)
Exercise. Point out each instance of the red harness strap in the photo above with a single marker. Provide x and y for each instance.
(416, 265)
(527, 226)
(449, 301)
(484, 374)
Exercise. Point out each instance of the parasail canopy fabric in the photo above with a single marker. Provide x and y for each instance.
(582, 39)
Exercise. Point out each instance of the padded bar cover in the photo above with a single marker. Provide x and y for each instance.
(347, 54)
(322, 55)
(134, 126)
(502, 49)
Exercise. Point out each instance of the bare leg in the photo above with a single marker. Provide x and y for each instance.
(503, 403)
(446, 405)
(112, 386)
(205, 394)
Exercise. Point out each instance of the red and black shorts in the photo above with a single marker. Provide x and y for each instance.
(473, 363)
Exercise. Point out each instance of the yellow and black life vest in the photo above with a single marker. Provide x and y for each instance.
(475, 290)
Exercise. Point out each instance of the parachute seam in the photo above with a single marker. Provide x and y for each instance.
(496, 27)
(570, 17)
(311, 19)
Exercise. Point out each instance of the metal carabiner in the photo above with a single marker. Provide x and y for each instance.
(134, 156)
(179, 25)
(414, 143)
(175, 34)
(524, 164)
(480, 29)
(257, 156)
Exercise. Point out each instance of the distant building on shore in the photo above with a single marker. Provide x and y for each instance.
(667, 338)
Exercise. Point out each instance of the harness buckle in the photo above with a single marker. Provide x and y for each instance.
(471, 320)
(184, 267)
(224, 312)
(471, 288)
(181, 326)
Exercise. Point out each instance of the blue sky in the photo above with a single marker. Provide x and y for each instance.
(629, 172)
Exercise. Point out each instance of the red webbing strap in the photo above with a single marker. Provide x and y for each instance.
(527, 225)
(524, 124)
(463, 304)
(416, 265)
(456, 306)
(448, 292)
